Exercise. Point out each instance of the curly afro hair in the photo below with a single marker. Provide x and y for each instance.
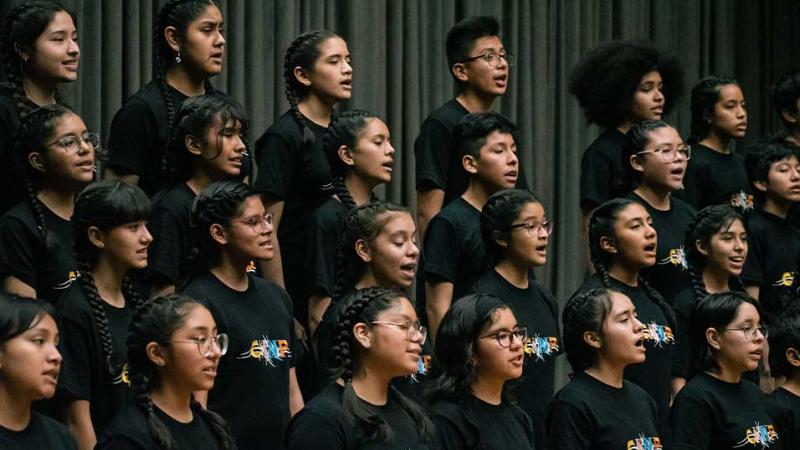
(606, 78)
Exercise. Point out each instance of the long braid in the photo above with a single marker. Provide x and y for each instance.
(131, 294)
(99, 316)
(659, 300)
(341, 191)
(158, 431)
(218, 426)
(47, 237)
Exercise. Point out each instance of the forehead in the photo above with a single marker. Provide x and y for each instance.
(652, 76)
(502, 319)
(400, 307)
(730, 92)
(252, 206)
(746, 313)
(665, 135)
(69, 123)
(736, 226)
(632, 211)
(61, 22)
(332, 46)
(497, 137)
(791, 159)
(199, 317)
(375, 127)
(531, 210)
(486, 43)
(399, 221)
(620, 303)
(210, 14)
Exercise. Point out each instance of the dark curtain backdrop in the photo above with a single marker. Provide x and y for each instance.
(400, 71)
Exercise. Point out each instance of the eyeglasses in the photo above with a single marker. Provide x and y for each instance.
(72, 144)
(206, 345)
(750, 333)
(413, 329)
(505, 337)
(535, 228)
(259, 224)
(492, 58)
(669, 154)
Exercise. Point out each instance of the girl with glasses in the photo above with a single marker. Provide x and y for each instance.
(479, 348)
(378, 338)
(516, 233)
(57, 153)
(111, 239)
(718, 409)
(256, 389)
(173, 350)
(600, 408)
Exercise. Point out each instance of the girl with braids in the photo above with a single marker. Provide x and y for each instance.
(716, 249)
(293, 174)
(173, 350)
(516, 233)
(360, 154)
(600, 408)
(111, 238)
(57, 152)
(479, 348)
(378, 338)
(718, 409)
(715, 174)
(207, 146)
(39, 49)
(29, 368)
(188, 48)
(256, 390)
(622, 241)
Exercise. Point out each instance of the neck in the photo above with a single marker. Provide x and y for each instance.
(515, 274)
(199, 181)
(187, 83)
(793, 385)
(488, 390)
(606, 372)
(372, 386)
(359, 188)
(173, 399)
(16, 411)
(777, 206)
(108, 279)
(726, 374)
(474, 102)
(715, 280)
(232, 272)
(316, 109)
(476, 194)
(367, 280)
(657, 198)
(624, 126)
(60, 201)
(717, 143)
(624, 274)
(38, 92)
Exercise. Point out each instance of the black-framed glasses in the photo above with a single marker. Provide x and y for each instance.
(669, 153)
(72, 143)
(492, 58)
(505, 338)
(412, 329)
(750, 333)
(535, 228)
(259, 224)
(206, 345)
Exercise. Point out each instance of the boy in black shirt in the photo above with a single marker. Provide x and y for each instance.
(454, 254)
(784, 342)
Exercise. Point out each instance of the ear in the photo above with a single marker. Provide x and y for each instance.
(636, 162)
(22, 51)
(346, 155)
(302, 76)
(156, 354)
(363, 251)
(172, 38)
(712, 337)
(218, 233)
(459, 71)
(470, 164)
(789, 116)
(361, 334)
(793, 356)
(193, 145)
(607, 244)
(593, 339)
(36, 160)
(698, 244)
(760, 185)
(96, 237)
(501, 238)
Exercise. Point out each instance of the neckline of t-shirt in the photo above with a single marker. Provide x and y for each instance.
(49, 212)
(772, 217)
(176, 421)
(651, 208)
(723, 383)
(225, 286)
(483, 403)
(604, 385)
(310, 122)
(511, 285)
(710, 150)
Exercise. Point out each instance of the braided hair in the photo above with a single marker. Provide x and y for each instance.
(584, 312)
(157, 321)
(364, 307)
(501, 210)
(22, 26)
(705, 95)
(601, 224)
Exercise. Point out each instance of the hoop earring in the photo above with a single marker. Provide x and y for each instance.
(178, 57)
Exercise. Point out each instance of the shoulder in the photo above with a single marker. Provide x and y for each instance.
(330, 215)
(682, 208)
(447, 115)
(459, 211)
(51, 427)
(285, 127)
(684, 301)
(74, 304)
(19, 215)
(178, 196)
(608, 144)
(130, 424)
(147, 98)
(270, 290)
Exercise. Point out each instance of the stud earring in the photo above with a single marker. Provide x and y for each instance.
(178, 57)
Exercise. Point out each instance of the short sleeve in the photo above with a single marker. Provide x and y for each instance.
(76, 374)
(597, 172)
(166, 253)
(276, 166)
(132, 128)
(17, 251)
(432, 154)
(308, 430)
(441, 250)
(323, 246)
(568, 428)
(451, 436)
(691, 423)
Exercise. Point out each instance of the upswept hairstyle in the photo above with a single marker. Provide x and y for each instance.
(602, 224)
(461, 38)
(784, 334)
(584, 312)
(785, 93)
(714, 311)
(22, 27)
(499, 212)
(18, 315)
(705, 95)
(156, 321)
(605, 80)
(638, 136)
(759, 159)
(105, 205)
(471, 132)
(348, 355)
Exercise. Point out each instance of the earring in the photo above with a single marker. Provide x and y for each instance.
(178, 57)
(25, 58)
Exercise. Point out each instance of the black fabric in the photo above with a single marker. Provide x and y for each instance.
(252, 387)
(42, 433)
(139, 134)
(84, 373)
(11, 181)
(130, 431)
(786, 410)
(669, 276)
(771, 264)
(438, 161)
(654, 375)
(535, 308)
(589, 414)
(322, 247)
(682, 306)
(711, 414)
(24, 256)
(603, 172)
(324, 423)
(471, 423)
(173, 239)
(714, 178)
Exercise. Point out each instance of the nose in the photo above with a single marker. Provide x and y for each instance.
(413, 250)
(54, 356)
(347, 68)
(240, 147)
(146, 236)
(513, 159)
(649, 230)
(74, 49)
(741, 111)
(220, 39)
(389, 148)
(637, 325)
(658, 96)
(516, 343)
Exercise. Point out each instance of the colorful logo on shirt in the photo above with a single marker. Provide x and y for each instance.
(644, 443)
(763, 435)
(423, 366)
(786, 280)
(268, 350)
(658, 334)
(122, 378)
(71, 276)
(742, 201)
(539, 347)
(677, 257)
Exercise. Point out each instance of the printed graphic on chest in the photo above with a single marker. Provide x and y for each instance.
(270, 351)
(659, 335)
(644, 443)
(759, 436)
(786, 280)
(539, 347)
(122, 378)
(676, 258)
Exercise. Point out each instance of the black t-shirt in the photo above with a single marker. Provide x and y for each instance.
(654, 375)
(438, 162)
(786, 410)
(23, 253)
(324, 423)
(130, 431)
(712, 414)
(252, 387)
(322, 247)
(139, 135)
(173, 237)
(683, 305)
(11, 183)
(773, 249)
(471, 423)
(603, 172)
(42, 433)
(589, 414)
(714, 178)
(84, 373)
(535, 308)
(669, 276)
